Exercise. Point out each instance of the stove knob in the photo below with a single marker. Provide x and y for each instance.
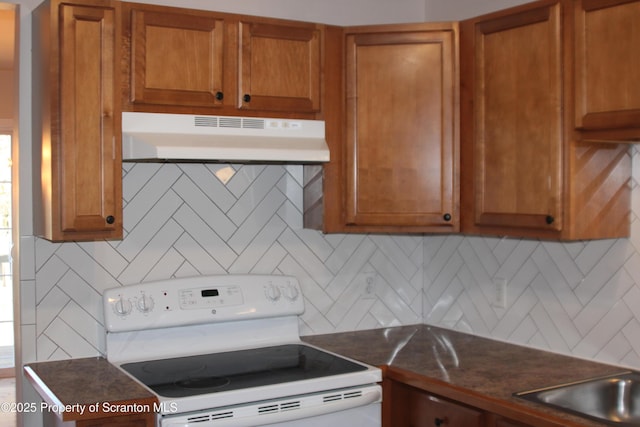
(145, 303)
(272, 292)
(291, 292)
(122, 306)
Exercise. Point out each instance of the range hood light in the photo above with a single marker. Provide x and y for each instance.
(225, 174)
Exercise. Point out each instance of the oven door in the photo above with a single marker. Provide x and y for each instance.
(352, 407)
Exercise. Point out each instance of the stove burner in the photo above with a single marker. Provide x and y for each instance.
(203, 382)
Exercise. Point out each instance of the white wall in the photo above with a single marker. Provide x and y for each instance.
(335, 12)
(456, 10)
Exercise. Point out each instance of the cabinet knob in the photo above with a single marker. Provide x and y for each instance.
(110, 219)
(446, 217)
(439, 421)
(550, 219)
(219, 96)
(246, 97)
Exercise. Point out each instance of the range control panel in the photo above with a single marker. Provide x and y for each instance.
(202, 299)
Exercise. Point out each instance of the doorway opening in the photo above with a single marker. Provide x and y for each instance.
(6, 276)
(8, 113)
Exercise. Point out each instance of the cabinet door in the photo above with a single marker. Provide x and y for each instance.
(402, 142)
(135, 420)
(505, 422)
(176, 58)
(88, 148)
(607, 89)
(412, 407)
(517, 109)
(280, 67)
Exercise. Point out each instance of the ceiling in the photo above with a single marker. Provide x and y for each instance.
(7, 34)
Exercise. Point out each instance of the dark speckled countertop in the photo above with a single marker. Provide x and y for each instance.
(477, 371)
(88, 388)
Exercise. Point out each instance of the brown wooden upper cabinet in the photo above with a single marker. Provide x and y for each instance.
(401, 144)
(177, 58)
(607, 85)
(76, 55)
(280, 67)
(194, 61)
(525, 170)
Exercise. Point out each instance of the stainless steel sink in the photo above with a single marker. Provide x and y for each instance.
(613, 400)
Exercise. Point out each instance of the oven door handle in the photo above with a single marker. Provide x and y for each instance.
(370, 394)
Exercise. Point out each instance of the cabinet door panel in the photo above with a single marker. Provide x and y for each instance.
(412, 407)
(135, 420)
(518, 140)
(177, 59)
(89, 129)
(607, 63)
(504, 422)
(279, 67)
(401, 144)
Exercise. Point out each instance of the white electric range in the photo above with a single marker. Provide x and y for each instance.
(225, 351)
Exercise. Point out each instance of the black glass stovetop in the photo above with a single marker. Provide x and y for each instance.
(234, 370)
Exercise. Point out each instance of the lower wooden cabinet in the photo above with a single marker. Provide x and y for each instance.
(52, 419)
(410, 400)
(135, 420)
(407, 406)
(497, 421)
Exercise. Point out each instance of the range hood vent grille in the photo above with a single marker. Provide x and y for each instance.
(206, 121)
(229, 122)
(175, 137)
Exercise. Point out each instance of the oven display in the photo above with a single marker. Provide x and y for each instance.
(208, 298)
(209, 293)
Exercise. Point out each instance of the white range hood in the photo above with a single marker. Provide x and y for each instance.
(185, 137)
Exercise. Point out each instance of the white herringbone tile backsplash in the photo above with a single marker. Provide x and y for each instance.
(191, 219)
(182, 220)
(579, 298)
